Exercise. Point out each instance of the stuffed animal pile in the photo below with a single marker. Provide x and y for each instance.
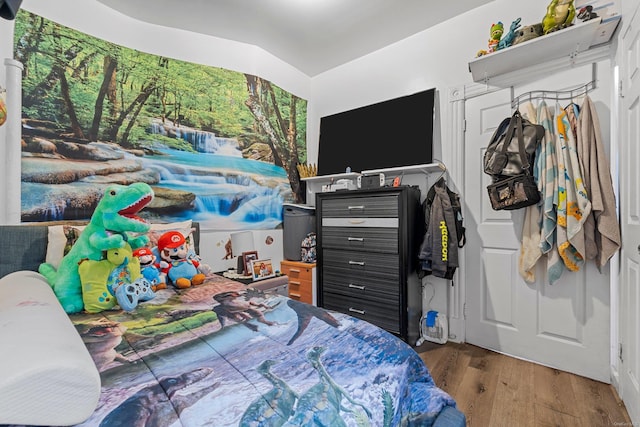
(113, 225)
(111, 262)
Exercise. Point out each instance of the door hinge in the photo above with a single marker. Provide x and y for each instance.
(464, 125)
(620, 352)
(464, 310)
(620, 89)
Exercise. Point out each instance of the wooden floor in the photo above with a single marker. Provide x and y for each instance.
(497, 390)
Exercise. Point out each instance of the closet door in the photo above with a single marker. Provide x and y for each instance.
(565, 325)
(629, 351)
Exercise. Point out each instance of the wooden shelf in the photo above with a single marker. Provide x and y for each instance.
(566, 43)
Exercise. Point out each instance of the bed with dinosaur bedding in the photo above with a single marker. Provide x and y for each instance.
(216, 354)
(223, 354)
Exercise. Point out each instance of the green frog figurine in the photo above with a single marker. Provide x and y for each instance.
(560, 14)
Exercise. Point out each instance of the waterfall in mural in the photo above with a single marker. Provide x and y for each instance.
(231, 192)
(206, 139)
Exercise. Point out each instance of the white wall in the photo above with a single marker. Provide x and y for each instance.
(437, 57)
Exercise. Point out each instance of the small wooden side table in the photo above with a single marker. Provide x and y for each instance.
(302, 280)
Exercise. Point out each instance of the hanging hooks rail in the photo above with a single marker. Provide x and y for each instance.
(556, 94)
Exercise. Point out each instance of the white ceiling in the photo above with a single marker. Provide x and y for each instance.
(311, 35)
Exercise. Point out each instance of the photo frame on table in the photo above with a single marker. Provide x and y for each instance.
(247, 257)
(261, 269)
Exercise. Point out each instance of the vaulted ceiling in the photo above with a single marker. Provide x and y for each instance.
(311, 35)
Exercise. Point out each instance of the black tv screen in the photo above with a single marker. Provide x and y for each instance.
(389, 134)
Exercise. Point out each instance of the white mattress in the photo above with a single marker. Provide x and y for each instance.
(47, 376)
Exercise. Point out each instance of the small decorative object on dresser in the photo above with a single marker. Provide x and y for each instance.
(261, 269)
(302, 279)
(247, 257)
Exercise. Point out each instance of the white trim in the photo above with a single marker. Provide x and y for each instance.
(456, 170)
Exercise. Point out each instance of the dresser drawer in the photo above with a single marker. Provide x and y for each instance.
(297, 270)
(301, 292)
(365, 264)
(384, 240)
(300, 280)
(384, 206)
(360, 286)
(377, 311)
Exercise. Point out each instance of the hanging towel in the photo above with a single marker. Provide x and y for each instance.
(602, 230)
(578, 213)
(530, 251)
(549, 190)
(568, 212)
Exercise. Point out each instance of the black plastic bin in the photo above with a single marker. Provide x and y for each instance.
(298, 221)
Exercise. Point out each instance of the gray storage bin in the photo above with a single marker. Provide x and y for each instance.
(298, 221)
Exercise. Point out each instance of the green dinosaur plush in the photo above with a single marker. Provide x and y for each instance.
(113, 223)
(99, 281)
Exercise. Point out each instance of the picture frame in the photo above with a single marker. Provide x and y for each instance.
(261, 269)
(247, 257)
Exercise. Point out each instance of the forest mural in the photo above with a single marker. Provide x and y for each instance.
(218, 146)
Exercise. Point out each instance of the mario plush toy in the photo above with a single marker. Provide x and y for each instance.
(176, 263)
(149, 268)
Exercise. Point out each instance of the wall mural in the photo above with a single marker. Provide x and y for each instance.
(218, 146)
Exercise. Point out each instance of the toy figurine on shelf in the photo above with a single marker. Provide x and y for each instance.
(586, 13)
(496, 34)
(508, 39)
(560, 14)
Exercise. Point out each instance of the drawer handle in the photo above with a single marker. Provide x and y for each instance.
(355, 239)
(355, 207)
(356, 221)
(293, 282)
(360, 287)
(294, 270)
(361, 263)
(294, 295)
(355, 310)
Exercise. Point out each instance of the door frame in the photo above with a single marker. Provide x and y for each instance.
(453, 152)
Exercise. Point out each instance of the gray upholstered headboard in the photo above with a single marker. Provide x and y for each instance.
(24, 247)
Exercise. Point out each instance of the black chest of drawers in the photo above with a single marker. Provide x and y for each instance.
(368, 242)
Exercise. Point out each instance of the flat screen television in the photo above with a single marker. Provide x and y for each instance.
(389, 134)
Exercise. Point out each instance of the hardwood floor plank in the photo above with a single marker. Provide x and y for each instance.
(476, 392)
(599, 403)
(553, 389)
(514, 394)
(494, 390)
(547, 417)
(450, 368)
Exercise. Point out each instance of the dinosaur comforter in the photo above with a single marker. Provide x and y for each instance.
(222, 354)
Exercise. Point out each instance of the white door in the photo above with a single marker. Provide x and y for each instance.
(565, 325)
(629, 368)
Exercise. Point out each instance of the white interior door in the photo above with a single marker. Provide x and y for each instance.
(565, 325)
(629, 368)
